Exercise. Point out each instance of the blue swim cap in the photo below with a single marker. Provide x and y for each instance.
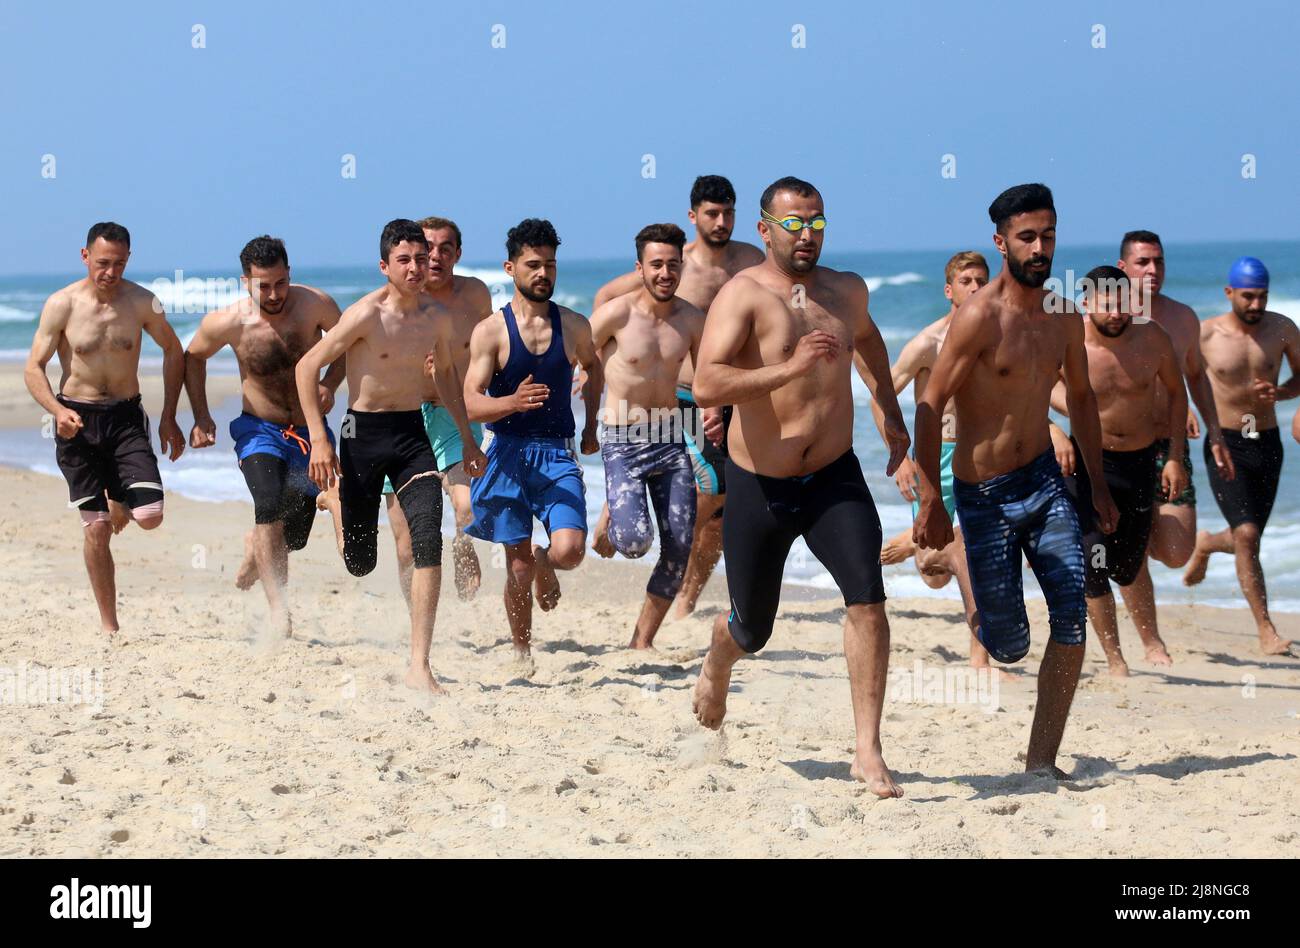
(1248, 273)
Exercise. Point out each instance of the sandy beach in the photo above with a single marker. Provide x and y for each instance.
(197, 735)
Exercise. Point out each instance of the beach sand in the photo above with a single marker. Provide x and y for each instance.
(213, 739)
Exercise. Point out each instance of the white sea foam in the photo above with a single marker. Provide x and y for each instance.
(898, 279)
(12, 314)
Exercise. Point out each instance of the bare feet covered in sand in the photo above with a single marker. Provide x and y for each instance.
(1200, 561)
(1157, 654)
(468, 573)
(522, 665)
(1270, 643)
(1047, 770)
(118, 515)
(1118, 669)
(421, 679)
(546, 585)
(869, 768)
(710, 700)
(246, 577)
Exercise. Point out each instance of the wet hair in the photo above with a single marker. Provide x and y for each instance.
(788, 183)
(531, 232)
(1105, 279)
(397, 231)
(713, 188)
(963, 261)
(660, 234)
(1021, 199)
(1139, 237)
(113, 233)
(263, 252)
(440, 223)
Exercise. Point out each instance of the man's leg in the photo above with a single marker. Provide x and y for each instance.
(99, 566)
(866, 650)
(672, 492)
(1140, 600)
(469, 574)
(1101, 613)
(272, 558)
(706, 548)
(955, 552)
(402, 543)
(1250, 575)
(1173, 534)
(520, 571)
(1058, 677)
(425, 583)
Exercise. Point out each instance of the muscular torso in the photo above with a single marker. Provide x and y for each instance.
(468, 305)
(1125, 378)
(644, 357)
(701, 280)
(385, 366)
(1002, 404)
(806, 424)
(100, 347)
(1180, 323)
(1234, 360)
(269, 347)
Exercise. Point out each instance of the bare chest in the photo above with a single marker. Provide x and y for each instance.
(266, 353)
(1237, 360)
(102, 331)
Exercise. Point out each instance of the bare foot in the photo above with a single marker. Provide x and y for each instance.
(421, 679)
(468, 572)
(897, 549)
(523, 666)
(1046, 770)
(282, 624)
(1118, 669)
(546, 587)
(1003, 674)
(1200, 560)
(710, 701)
(641, 644)
(682, 607)
(1270, 643)
(118, 515)
(869, 768)
(1157, 654)
(601, 542)
(247, 575)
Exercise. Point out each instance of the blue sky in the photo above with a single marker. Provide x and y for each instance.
(197, 150)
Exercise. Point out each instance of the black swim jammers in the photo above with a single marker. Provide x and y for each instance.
(392, 444)
(1247, 498)
(831, 509)
(1119, 555)
(110, 458)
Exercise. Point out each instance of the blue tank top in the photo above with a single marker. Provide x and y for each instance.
(554, 418)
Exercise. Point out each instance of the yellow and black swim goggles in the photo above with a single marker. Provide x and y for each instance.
(795, 224)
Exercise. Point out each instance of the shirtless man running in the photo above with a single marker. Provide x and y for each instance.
(1127, 363)
(101, 429)
(395, 338)
(1003, 353)
(643, 338)
(1173, 530)
(965, 273)
(1244, 350)
(468, 302)
(519, 379)
(777, 346)
(709, 261)
(269, 330)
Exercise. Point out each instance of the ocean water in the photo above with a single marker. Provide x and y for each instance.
(906, 294)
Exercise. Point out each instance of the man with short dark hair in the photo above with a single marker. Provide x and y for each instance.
(708, 261)
(101, 429)
(1127, 363)
(1173, 529)
(1244, 350)
(521, 361)
(269, 330)
(1002, 355)
(643, 338)
(776, 346)
(397, 343)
